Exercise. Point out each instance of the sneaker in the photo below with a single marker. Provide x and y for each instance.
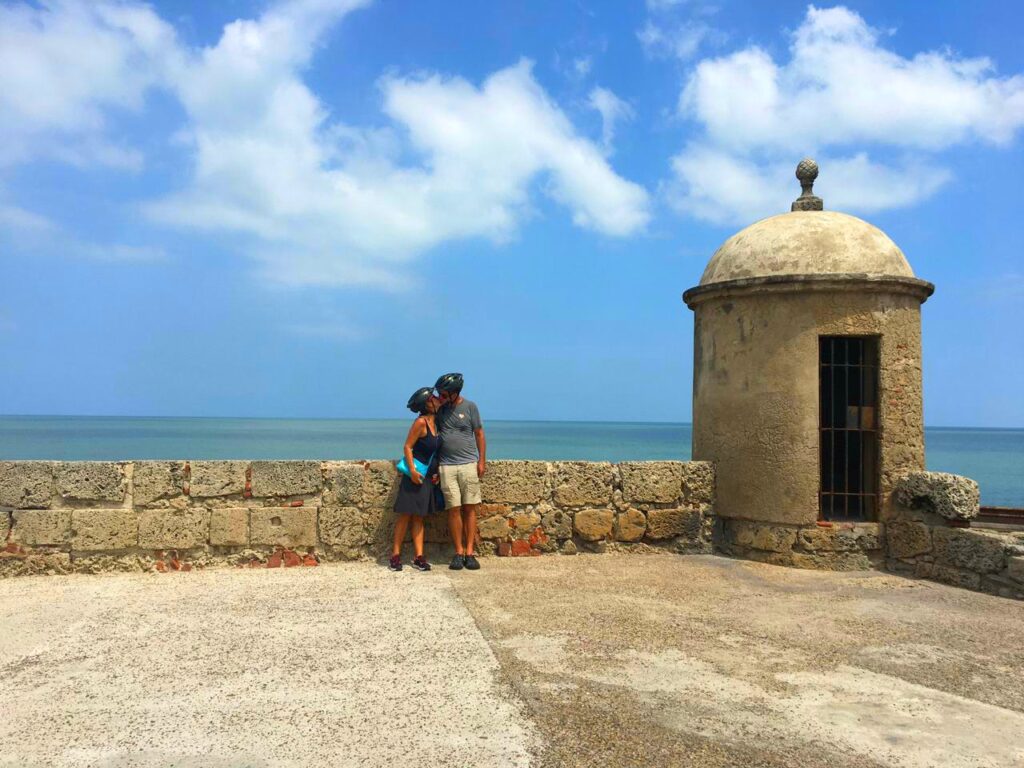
(457, 562)
(471, 563)
(395, 563)
(420, 564)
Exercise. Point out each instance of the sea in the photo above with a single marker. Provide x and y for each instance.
(993, 457)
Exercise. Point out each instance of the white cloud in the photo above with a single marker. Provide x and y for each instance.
(612, 110)
(64, 66)
(840, 91)
(329, 203)
(313, 200)
(16, 219)
(680, 41)
(582, 66)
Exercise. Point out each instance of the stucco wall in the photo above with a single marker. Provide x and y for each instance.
(755, 393)
(176, 515)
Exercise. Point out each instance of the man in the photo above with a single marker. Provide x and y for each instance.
(463, 461)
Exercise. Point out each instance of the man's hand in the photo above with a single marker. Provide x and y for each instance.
(435, 479)
(481, 467)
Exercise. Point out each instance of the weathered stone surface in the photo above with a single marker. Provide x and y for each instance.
(489, 510)
(156, 480)
(90, 480)
(581, 483)
(493, 527)
(630, 525)
(229, 527)
(670, 523)
(651, 481)
(699, 482)
(594, 524)
(907, 538)
(26, 484)
(284, 526)
(34, 564)
(830, 560)
(285, 478)
(769, 538)
(95, 530)
(173, 528)
(435, 529)
(839, 538)
(569, 547)
(345, 484)
(557, 524)
(1015, 569)
(524, 523)
(952, 496)
(516, 482)
(343, 528)
(210, 479)
(380, 484)
(955, 576)
(40, 527)
(971, 550)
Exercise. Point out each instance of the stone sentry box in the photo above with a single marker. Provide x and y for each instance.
(766, 298)
(58, 517)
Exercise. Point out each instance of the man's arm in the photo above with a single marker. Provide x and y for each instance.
(481, 447)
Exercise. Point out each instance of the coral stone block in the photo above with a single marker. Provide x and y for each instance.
(95, 530)
(284, 526)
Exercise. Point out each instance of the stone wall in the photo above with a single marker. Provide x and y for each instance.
(924, 534)
(177, 515)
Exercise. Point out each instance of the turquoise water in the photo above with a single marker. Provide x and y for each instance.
(993, 457)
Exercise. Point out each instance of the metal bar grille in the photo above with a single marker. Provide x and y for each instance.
(848, 388)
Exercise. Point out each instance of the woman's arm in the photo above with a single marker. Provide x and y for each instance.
(416, 431)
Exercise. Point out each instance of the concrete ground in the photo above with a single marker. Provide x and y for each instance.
(556, 661)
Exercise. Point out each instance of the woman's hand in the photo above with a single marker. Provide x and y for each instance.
(415, 476)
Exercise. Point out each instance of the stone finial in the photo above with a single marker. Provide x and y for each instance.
(807, 172)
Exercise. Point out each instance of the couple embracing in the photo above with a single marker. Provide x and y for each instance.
(445, 449)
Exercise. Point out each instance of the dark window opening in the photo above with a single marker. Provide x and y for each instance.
(848, 387)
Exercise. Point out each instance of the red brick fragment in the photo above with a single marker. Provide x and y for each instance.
(186, 567)
(538, 537)
(310, 560)
(160, 566)
(521, 547)
(504, 549)
(296, 503)
(291, 559)
(274, 561)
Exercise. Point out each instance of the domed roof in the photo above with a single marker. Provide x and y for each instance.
(808, 242)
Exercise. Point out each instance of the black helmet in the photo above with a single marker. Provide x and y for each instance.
(450, 382)
(418, 402)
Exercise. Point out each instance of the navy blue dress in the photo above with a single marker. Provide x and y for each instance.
(420, 499)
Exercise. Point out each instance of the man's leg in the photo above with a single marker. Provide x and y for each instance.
(455, 527)
(469, 527)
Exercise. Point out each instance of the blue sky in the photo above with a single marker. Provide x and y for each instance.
(311, 208)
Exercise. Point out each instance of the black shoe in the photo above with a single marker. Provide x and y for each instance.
(471, 563)
(395, 563)
(457, 563)
(421, 564)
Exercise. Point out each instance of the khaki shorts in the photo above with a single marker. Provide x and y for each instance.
(460, 485)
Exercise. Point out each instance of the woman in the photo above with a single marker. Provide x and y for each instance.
(416, 493)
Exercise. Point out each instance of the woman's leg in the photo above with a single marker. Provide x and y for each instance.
(417, 535)
(400, 525)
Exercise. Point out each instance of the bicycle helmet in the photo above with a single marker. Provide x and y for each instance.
(450, 382)
(418, 402)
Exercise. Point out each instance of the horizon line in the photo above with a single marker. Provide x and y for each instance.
(393, 418)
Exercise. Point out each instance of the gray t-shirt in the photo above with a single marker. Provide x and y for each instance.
(456, 424)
